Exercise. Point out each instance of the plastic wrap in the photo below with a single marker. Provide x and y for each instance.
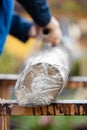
(44, 77)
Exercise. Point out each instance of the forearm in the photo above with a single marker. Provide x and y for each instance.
(38, 9)
(20, 27)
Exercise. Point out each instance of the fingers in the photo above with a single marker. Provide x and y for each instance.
(34, 31)
(54, 35)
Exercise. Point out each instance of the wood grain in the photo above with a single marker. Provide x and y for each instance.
(58, 108)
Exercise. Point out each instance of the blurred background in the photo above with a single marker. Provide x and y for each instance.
(72, 15)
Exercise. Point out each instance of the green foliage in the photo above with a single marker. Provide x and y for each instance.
(76, 68)
(8, 63)
(60, 122)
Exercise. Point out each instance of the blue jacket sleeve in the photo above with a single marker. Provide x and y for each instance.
(38, 9)
(20, 27)
(6, 11)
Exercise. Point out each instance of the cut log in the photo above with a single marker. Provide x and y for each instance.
(44, 77)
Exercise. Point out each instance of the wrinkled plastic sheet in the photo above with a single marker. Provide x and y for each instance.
(44, 77)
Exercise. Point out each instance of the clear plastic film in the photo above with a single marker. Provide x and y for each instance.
(44, 76)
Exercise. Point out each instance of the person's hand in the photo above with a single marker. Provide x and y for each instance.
(52, 32)
(32, 31)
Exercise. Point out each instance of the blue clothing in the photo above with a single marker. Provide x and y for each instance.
(38, 9)
(6, 10)
(20, 27)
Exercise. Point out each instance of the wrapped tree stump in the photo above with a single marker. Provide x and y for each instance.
(44, 77)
